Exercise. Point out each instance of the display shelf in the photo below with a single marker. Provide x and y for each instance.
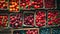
(30, 17)
(28, 3)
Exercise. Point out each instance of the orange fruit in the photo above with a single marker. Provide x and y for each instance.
(17, 7)
(10, 6)
(13, 9)
(10, 9)
(16, 4)
(13, 5)
(4, 5)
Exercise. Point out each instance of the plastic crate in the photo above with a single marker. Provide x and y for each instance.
(16, 20)
(53, 17)
(3, 4)
(4, 20)
(14, 5)
(28, 19)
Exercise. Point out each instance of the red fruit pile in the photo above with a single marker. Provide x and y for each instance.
(31, 4)
(16, 21)
(24, 3)
(32, 32)
(14, 5)
(3, 4)
(49, 3)
(40, 18)
(53, 18)
(29, 19)
(3, 21)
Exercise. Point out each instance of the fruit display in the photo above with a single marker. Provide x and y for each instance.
(45, 31)
(3, 21)
(40, 18)
(14, 5)
(29, 19)
(31, 4)
(16, 20)
(29, 31)
(50, 4)
(3, 4)
(53, 17)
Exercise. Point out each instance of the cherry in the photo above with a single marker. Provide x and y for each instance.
(29, 19)
(27, 0)
(1, 17)
(40, 18)
(0, 23)
(49, 3)
(16, 21)
(36, 6)
(50, 23)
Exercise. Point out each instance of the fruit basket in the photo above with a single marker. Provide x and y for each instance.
(16, 20)
(14, 5)
(5, 31)
(45, 31)
(50, 4)
(26, 31)
(40, 18)
(53, 17)
(3, 4)
(55, 30)
(31, 4)
(3, 20)
(28, 19)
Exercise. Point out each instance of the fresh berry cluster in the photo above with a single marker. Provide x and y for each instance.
(49, 3)
(53, 17)
(3, 4)
(32, 32)
(40, 18)
(29, 19)
(16, 20)
(28, 4)
(3, 21)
